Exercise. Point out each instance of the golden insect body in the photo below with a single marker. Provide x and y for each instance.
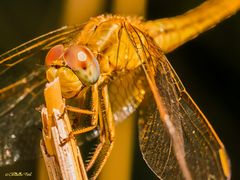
(118, 65)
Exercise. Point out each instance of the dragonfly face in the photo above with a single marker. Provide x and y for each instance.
(76, 67)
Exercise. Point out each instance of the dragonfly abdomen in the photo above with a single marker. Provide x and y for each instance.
(170, 33)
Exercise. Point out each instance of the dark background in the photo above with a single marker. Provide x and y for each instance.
(208, 66)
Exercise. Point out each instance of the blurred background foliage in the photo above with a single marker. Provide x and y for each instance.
(208, 66)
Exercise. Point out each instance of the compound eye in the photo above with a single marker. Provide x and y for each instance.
(83, 62)
(54, 54)
(76, 57)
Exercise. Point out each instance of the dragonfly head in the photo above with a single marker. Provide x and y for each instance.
(76, 66)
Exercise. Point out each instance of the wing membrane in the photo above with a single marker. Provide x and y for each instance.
(155, 142)
(22, 52)
(175, 138)
(202, 142)
(19, 120)
(126, 93)
(22, 75)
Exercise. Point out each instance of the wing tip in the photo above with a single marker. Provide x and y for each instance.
(225, 162)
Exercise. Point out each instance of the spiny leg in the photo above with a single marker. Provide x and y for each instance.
(101, 111)
(78, 110)
(93, 112)
(94, 154)
(93, 124)
(106, 138)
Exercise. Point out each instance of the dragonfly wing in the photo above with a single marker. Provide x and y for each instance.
(22, 75)
(175, 138)
(17, 63)
(28, 49)
(126, 93)
(155, 142)
(19, 119)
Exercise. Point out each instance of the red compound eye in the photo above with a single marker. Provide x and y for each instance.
(78, 57)
(53, 54)
(82, 61)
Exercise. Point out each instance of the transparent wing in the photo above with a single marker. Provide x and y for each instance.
(175, 138)
(19, 120)
(126, 93)
(22, 52)
(22, 75)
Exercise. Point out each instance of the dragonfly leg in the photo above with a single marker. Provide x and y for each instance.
(93, 113)
(78, 110)
(106, 139)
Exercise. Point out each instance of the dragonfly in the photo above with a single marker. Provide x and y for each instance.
(116, 66)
